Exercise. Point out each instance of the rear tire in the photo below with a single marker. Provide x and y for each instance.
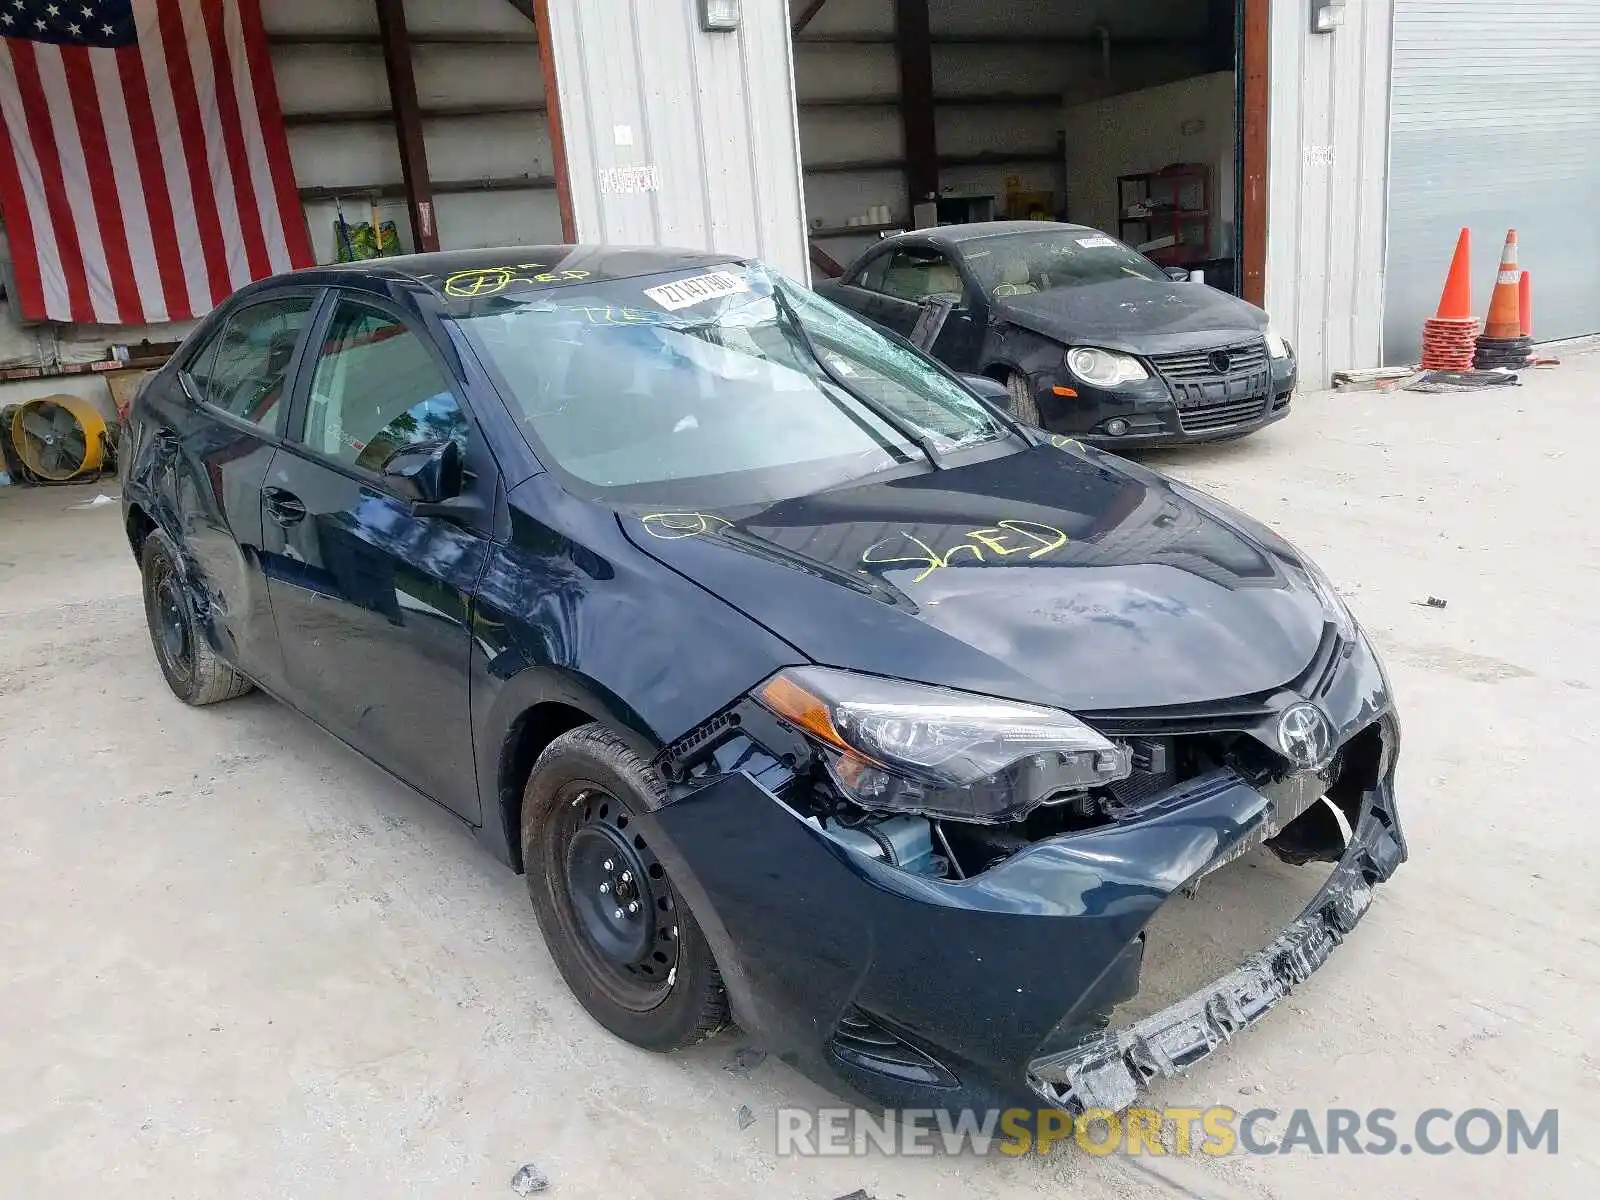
(192, 669)
(1023, 404)
(621, 935)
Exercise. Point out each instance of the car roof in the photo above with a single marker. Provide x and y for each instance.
(566, 264)
(956, 235)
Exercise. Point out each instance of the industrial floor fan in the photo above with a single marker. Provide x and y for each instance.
(59, 437)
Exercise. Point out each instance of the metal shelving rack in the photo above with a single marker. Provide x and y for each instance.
(1179, 199)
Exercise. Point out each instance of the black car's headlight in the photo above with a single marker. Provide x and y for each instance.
(1105, 368)
(892, 746)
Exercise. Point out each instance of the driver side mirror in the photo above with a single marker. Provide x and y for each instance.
(1176, 274)
(429, 475)
(994, 392)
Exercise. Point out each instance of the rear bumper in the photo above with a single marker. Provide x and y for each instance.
(1007, 983)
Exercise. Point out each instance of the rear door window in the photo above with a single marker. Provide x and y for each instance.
(244, 369)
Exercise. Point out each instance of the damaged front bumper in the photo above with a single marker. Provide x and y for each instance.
(912, 990)
(1108, 1072)
(997, 990)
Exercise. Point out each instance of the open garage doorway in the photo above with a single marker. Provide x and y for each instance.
(1145, 119)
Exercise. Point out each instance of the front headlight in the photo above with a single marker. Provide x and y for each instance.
(1105, 368)
(906, 747)
(1276, 346)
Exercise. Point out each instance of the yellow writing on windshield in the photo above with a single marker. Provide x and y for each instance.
(616, 314)
(1002, 540)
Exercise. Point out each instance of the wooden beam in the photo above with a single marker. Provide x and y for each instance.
(463, 38)
(408, 124)
(914, 51)
(825, 262)
(558, 139)
(1253, 207)
(442, 112)
(806, 17)
(441, 187)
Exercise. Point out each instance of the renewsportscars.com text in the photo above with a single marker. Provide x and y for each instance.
(842, 1132)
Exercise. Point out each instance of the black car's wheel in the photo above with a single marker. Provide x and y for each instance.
(1023, 405)
(627, 945)
(193, 671)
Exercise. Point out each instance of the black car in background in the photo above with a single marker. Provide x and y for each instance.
(1091, 338)
(808, 689)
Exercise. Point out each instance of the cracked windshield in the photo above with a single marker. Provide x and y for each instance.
(738, 380)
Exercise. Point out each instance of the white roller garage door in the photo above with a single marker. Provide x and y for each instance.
(1496, 125)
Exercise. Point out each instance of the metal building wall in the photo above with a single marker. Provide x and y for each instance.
(1496, 126)
(681, 137)
(1326, 185)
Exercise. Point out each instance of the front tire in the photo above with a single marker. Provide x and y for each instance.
(620, 934)
(1024, 406)
(191, 667)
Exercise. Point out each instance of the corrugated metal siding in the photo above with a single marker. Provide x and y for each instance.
(1496, 125)
(712, 113)
(1326, 206)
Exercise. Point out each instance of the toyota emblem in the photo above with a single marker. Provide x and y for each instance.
(1221, 362)
(1305, 735)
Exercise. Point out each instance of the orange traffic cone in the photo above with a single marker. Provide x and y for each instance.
(1449, 339)
(1503, 343)
(1456, 303)
(1505, 310)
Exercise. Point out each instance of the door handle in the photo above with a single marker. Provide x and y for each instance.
(285, 508)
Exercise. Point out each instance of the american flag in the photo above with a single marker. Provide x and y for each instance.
(144, 171)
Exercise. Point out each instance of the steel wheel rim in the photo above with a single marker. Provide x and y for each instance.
(612, 897)
(169, 622)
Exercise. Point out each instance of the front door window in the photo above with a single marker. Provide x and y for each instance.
(377, 390)
(918, 275)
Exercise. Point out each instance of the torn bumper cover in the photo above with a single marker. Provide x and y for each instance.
(1109, 1072)
(999, 990)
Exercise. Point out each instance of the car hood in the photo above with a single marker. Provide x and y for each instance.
(1056, 575)
(1138, 316)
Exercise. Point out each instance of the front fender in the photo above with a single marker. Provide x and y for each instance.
(572, 613)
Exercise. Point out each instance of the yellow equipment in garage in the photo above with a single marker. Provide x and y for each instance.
(59, 437)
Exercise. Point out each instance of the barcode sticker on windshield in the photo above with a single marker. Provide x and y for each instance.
(1098, 242)
(697, 290)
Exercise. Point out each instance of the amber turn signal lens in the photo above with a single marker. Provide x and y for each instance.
(793, 703)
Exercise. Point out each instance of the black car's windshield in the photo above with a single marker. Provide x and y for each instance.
(703, 389)
(1020, 264)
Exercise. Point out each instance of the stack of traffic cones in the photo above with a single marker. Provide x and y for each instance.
(1449, 339)
(1506, 343)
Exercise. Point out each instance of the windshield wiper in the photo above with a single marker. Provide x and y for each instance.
(883, 412)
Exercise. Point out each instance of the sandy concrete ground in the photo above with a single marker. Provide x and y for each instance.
(237, 961)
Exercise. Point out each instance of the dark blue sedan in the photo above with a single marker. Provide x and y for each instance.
(809, 687)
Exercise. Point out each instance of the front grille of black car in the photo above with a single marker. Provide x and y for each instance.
(1196, 366)
(1205, 417)
(1241, 372)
